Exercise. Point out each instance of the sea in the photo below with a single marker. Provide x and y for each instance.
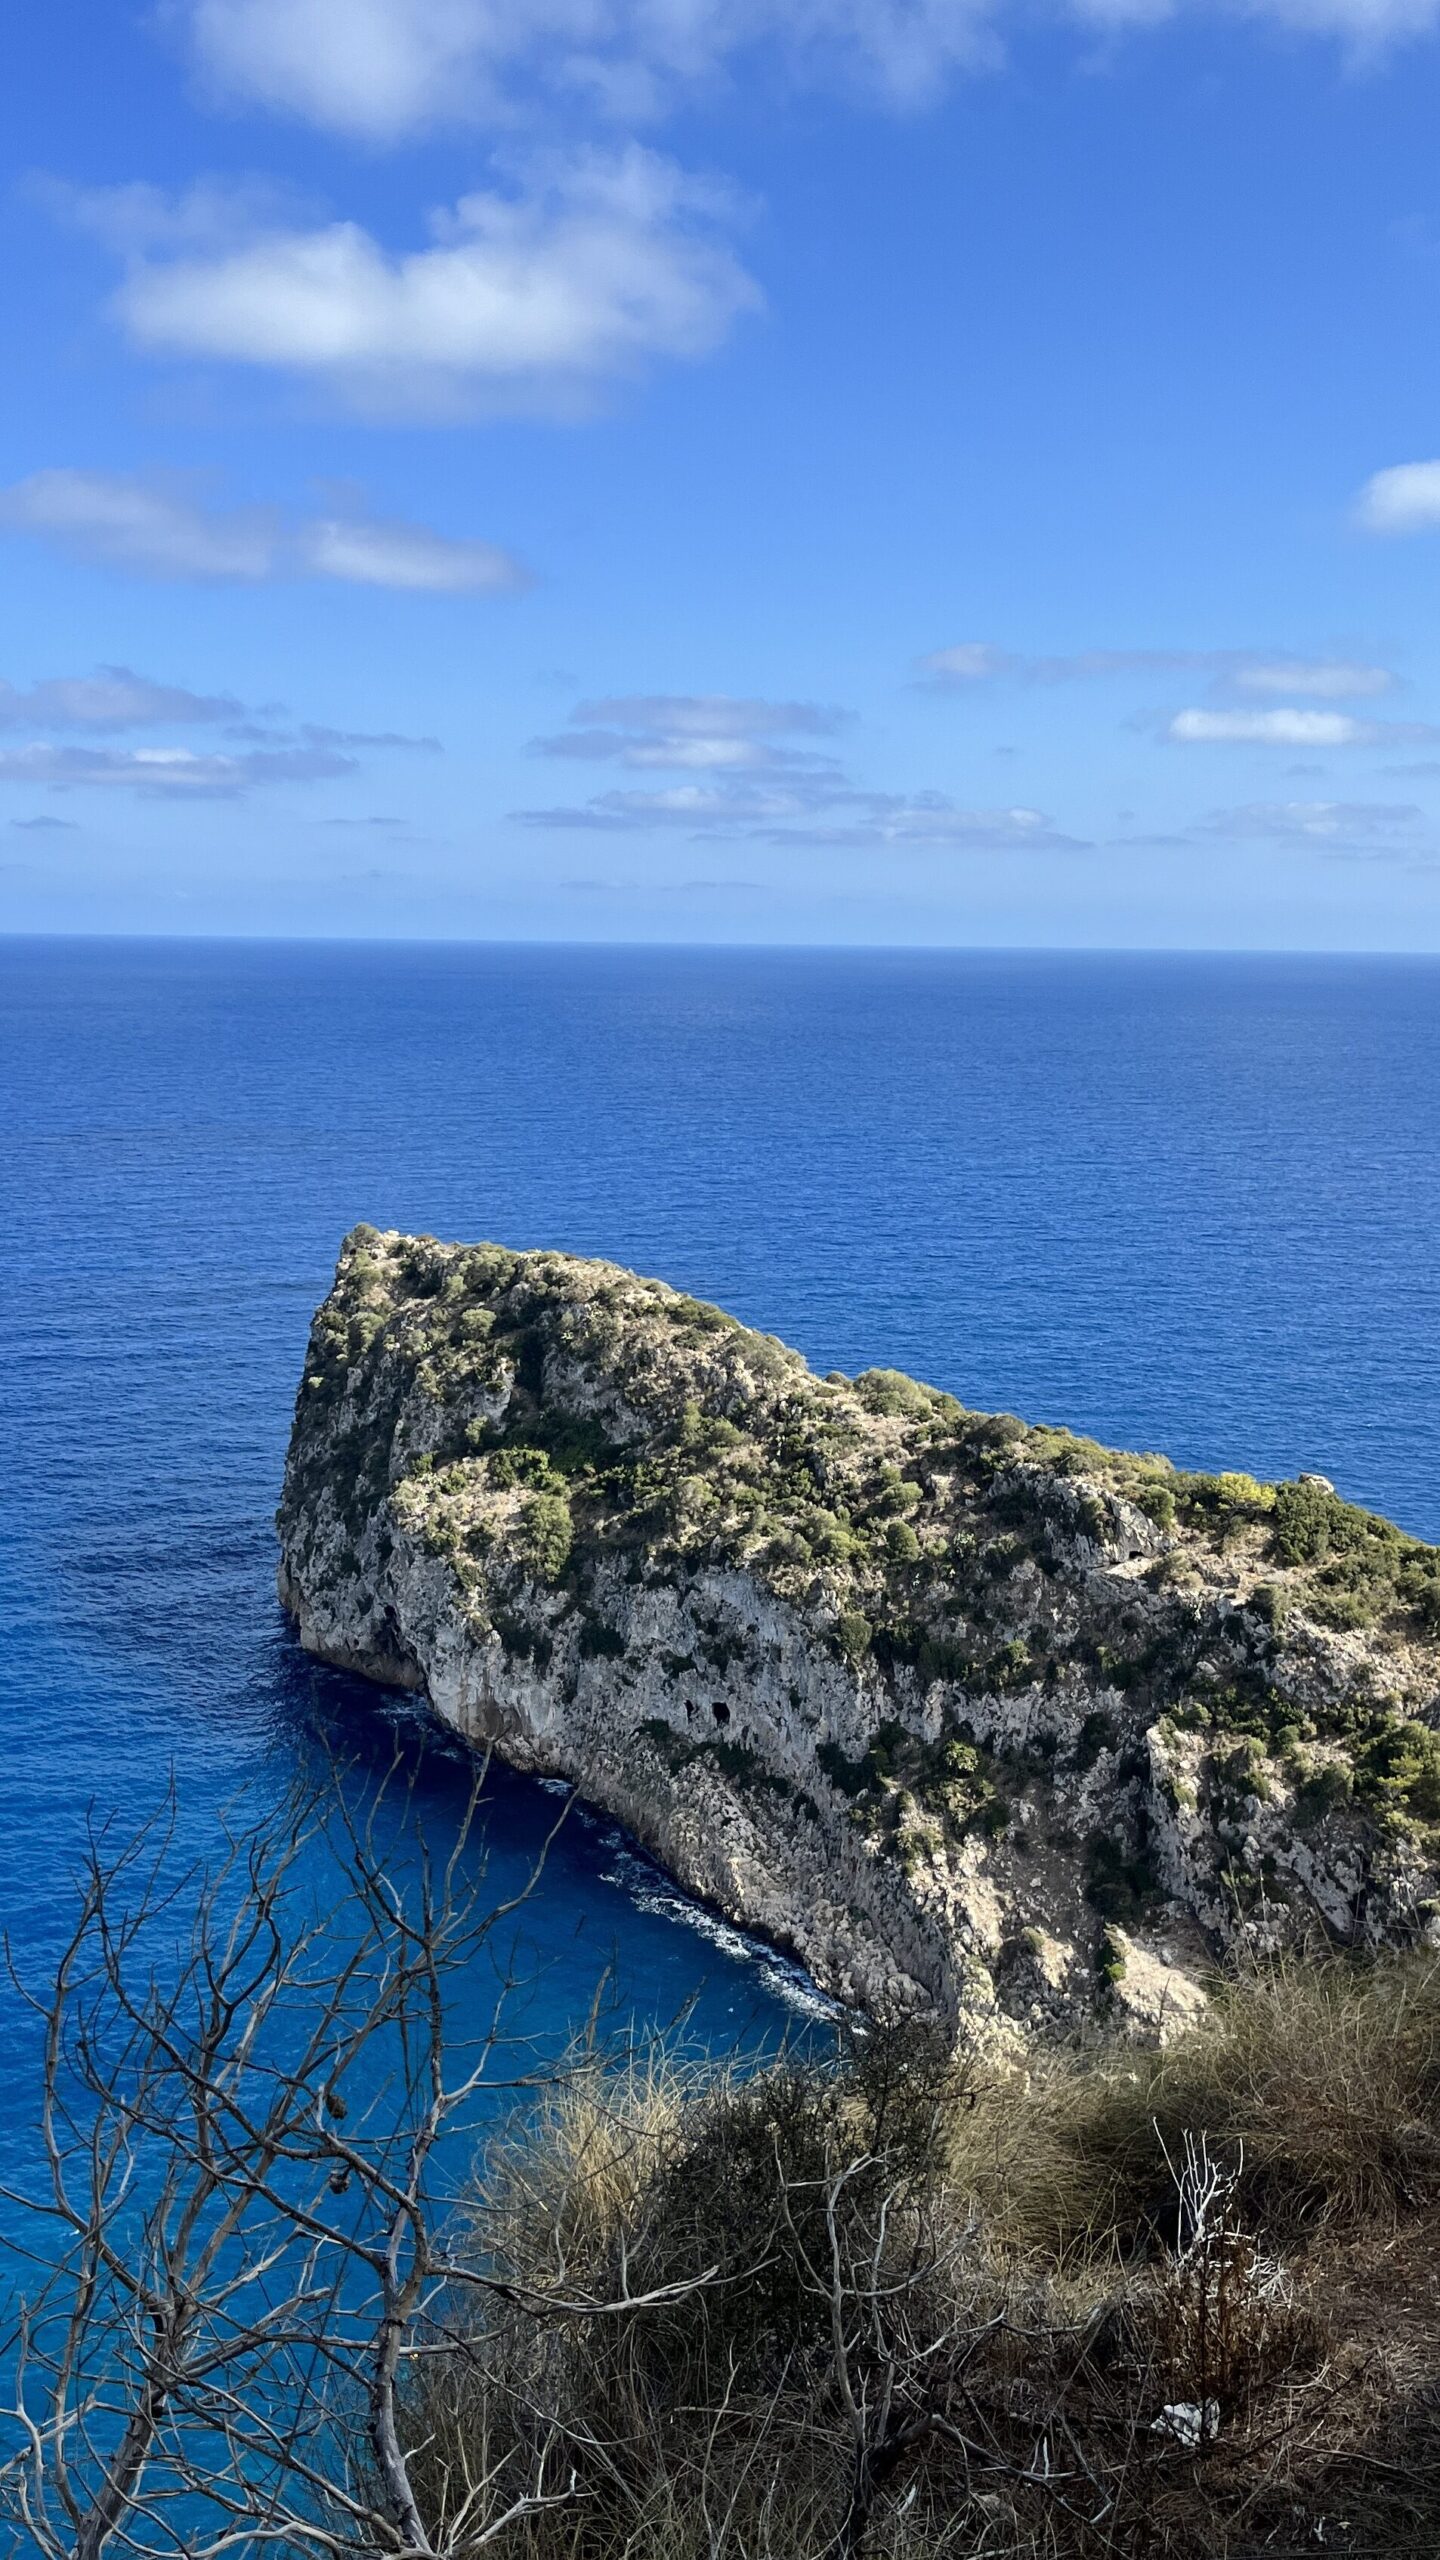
(1181, 1203)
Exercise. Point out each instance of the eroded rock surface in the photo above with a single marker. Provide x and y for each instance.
(969, 1715)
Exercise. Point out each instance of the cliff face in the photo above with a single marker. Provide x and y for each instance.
(965, 1713)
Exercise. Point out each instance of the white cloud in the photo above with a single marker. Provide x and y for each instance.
(384, 68)
(675, 754)
(372, 67)
(168, 773)
(709, 715)
(755, 786)
(586, 270)
(114, 698)
(161, 528)
(1233, 670)
(692, 732)
(1273, 729)
(1404, 499)
(381, 69)
(812, 810)
(409, 556)
(969, 662)
(726, 806)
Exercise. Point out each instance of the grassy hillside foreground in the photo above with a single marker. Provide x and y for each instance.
(1181, 2306)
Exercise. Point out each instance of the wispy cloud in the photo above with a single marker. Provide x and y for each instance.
(693, 733)
(137, 219)
(821, 814)
(587, 269)
(1364, 30)
(1324, 679)
(387, 826)
(709, 714)
(1404, 499)
(930, 818)
(755, 783)
(972, 662)
(150, 526)
(255, 733)
(1242, 672)
(1286, 728)
(674, 754)
(371, 552)
(382, 69)
(113, 698)
(252, 752)
(1323, 822)
(1360, 831)
(162, 527)
(1292, 727)
(969, 662)
(168, 773)
(702, 808)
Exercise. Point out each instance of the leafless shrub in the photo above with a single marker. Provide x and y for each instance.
(251, 2122)
(1227, 2320)
(293, 2291)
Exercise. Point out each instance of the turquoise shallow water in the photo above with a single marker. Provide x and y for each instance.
(1181, 1203)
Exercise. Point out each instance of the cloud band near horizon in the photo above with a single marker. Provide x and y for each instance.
(159, 526)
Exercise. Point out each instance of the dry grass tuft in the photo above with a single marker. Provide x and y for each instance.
(1177, 2306)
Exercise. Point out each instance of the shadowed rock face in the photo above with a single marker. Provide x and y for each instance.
(967, 1714)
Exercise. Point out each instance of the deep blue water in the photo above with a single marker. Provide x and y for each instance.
(1189, 1204)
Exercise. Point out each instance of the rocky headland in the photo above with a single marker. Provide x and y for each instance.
(972, 1715)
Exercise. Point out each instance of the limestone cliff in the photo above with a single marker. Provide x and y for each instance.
(964, 1712)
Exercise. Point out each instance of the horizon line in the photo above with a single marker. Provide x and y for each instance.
(246, 938)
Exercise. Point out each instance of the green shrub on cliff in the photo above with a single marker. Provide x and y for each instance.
(547, 1533)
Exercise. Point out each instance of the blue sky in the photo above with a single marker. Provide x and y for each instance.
(855, 470)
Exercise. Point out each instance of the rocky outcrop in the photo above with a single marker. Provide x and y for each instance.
(967, 1714)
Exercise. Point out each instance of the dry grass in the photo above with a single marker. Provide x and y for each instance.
(904, 2309)
(1318, 2081)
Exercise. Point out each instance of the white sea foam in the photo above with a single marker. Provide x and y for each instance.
(652, 1891)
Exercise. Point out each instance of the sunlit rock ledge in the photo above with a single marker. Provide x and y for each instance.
(971, 1715)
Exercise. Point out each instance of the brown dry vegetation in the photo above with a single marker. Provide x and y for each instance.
(912, 2306)
(287, 2289)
